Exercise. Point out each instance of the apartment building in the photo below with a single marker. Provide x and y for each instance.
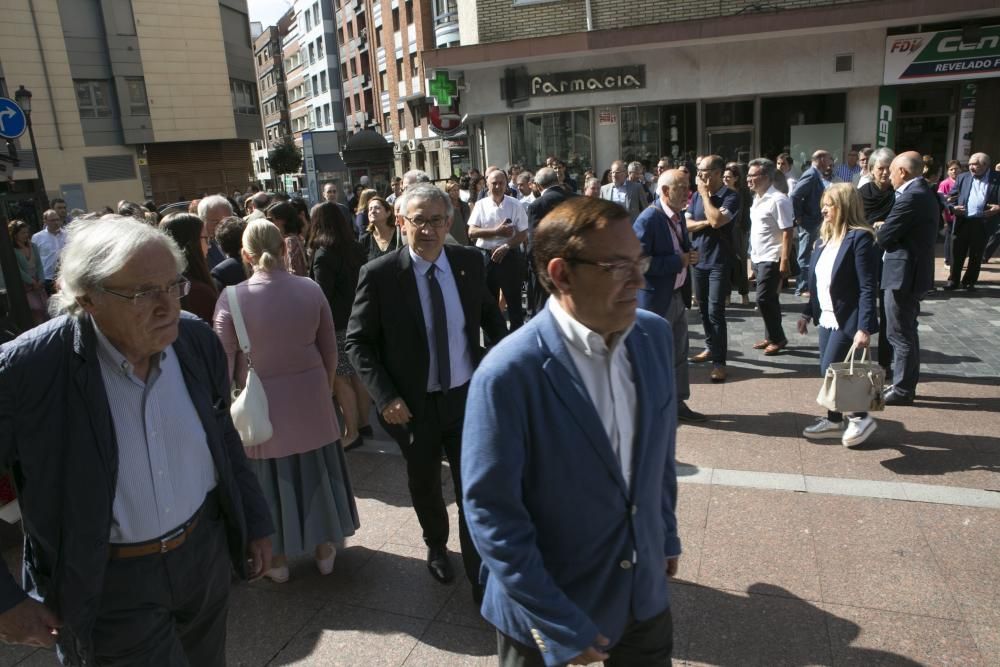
(136, 99)
(269, 61)
(593, 80)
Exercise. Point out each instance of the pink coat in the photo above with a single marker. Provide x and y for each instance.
(294, 352)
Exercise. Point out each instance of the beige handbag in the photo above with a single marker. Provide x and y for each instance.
(853, 385)
(249, 407)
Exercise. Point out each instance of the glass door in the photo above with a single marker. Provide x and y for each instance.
(734, 144)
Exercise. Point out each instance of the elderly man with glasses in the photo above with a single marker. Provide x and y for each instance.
(975, 201)
(135, 492)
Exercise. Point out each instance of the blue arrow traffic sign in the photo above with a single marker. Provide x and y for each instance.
(12, 119)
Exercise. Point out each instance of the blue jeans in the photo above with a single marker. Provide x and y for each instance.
(711, 285)
(807, 239)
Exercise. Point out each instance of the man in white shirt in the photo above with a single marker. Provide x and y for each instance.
(525, 191)
(499, 225)
(771, 221)
(50, 242)
(787, 170)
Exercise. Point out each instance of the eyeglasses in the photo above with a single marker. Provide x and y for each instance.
(620, 271)
(434, 223)
(177, 290)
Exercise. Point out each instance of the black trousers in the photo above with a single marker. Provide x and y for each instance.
(969, 240)
(168, 609)
(648, 643)
(422, 441)
(768, 301)
(901, 311)
(508, 276)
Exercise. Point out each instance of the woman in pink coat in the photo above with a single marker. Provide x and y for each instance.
(294, 350)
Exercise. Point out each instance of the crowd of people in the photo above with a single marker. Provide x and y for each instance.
(391, 300)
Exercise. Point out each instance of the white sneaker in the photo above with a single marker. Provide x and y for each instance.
(857, 431)
(824, 428)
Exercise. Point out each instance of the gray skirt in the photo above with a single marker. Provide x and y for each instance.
(310, 499)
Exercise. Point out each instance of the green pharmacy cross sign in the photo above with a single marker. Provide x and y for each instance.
(443, 88)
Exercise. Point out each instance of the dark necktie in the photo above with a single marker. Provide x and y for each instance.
(440, 330)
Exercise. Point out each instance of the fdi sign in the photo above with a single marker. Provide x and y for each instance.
(941, 56)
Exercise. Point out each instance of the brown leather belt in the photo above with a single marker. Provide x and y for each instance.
(168, 542)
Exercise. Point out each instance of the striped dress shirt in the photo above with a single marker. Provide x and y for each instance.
(165, 468)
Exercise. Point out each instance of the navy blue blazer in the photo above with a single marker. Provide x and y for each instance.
(853, 284)
(963, 186)
(653, 229)
(569, 550)
(908, 237)
(806, 196)
(57, 434)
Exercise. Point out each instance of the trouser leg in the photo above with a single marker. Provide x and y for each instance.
(807, 238)
(648, 643)
(677, 317)
(901, 309)
(717, 292)
(768, 300)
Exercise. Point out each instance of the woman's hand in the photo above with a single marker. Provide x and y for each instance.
(802, 325)
(861, 339)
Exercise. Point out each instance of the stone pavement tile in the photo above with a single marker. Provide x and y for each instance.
(347, 636)
(363, 462)
(966, 538)
(855, 487)
(866, 637)
(988, 640)
(872, 553)
(261, 622)
(759, 536)
(396, 580)
(388, 477)
(684, 610)
(460, 608)
(38, 658)
(712, 446)
(410, 533)
(306, 582)
(760, 629)
(829, 458)
(978, 594)
(692, 516)
(12, 654)
(443, 645)
(381, 516)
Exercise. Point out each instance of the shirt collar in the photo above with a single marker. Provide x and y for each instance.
(582, 338)
(666, 208)
(422, 265)
(116, 359)
(905, 185)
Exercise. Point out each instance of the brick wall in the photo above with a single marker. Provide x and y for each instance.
(500, 20)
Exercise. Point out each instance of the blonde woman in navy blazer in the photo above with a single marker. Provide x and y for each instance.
(842, 288)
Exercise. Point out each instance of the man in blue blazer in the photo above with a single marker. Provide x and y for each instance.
(568, 470)
(976, 203)
(907, 236)
(805, 198)
(664, 238)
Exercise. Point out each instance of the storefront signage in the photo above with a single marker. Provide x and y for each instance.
(885, 134)
(966, 119)
(942, 56)
(588, 81)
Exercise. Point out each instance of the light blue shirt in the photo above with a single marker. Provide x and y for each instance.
(459, 353)
(977, 196)
(165, 468)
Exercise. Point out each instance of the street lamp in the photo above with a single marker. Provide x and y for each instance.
(23, 98)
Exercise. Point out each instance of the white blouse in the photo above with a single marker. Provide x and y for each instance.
(824, 275)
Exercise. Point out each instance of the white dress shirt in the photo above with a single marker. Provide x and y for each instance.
(770, 214)
(459, 355)
(824, 277)
(607, 376)
(488, 214)
(49, 247)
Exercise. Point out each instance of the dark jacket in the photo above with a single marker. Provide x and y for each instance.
(228, 272)
(963, 187)
(908, 237)
(386, 336)
(338, 276)
(805, 196)
(653, 229)
(58, 437)
(544, 205)
(853, 284)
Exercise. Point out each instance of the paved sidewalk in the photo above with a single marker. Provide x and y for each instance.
(796, 552)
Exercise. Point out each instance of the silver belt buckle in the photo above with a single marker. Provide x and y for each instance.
(167, 538)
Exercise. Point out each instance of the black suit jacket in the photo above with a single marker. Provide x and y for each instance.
(386, 335)
(544, 205)
(908, 238)
(228, 272)
(58, 437)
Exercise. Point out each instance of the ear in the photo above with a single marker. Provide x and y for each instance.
(87, 303)
(559, 274)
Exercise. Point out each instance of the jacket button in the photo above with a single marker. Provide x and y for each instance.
(635, 510)
(625, 564)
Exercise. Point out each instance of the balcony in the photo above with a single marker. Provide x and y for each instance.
(380, 59)
(402, 88)
(416, 85)
(446, 30)
(411, 36)
(386, 102)
(377, 13)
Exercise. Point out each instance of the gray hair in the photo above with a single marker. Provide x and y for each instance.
(524, 177)
(881, 156)
(636, 167)
(546, 177)
(414, 176)
(768, 168)
(423, 192)
(982, 158)
(98, 248)
(212, 202)
(593, 180)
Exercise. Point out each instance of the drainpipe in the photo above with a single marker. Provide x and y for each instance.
(45, 72)
(590, 15)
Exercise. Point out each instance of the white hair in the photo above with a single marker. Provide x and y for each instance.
(212, 202)
(98, 248)
(415, 176)
(423, 192)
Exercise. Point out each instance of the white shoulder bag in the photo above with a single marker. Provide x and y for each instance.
(249, 407)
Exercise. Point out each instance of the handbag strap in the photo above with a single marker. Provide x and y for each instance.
(241, 327)
(850, 355)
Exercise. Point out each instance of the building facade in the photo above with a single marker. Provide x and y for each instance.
(592, 81)
(269, 61)
(133, 99)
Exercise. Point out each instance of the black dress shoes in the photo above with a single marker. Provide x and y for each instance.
(949, 287)
(687, 415)
(894, 397)
(439, 565)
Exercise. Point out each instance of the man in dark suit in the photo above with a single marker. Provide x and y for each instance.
(552, 195)
(664, 238)
(976, 203)
(137, 499)
(805, 198)
(628, 194)
(907, 236)
(413, 337)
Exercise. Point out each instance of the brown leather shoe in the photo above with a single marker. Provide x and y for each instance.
(718, 374)
(775, 348)
(761, 344)
(704, 355)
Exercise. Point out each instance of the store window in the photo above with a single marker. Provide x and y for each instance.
(729, 130)
(798, 124)
(565, 134)
(649, 133)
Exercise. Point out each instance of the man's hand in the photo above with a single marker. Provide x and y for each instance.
(397, 412)
(685, 260)
(958, 208)
(991, 210)
(783, 267)
(693, 257)
(259, 556)
(595, 653)
(505, 229)
(499, 253)
(672, 565)
(802, 325)
(861, 338)
(703, 189)
(30, 623)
